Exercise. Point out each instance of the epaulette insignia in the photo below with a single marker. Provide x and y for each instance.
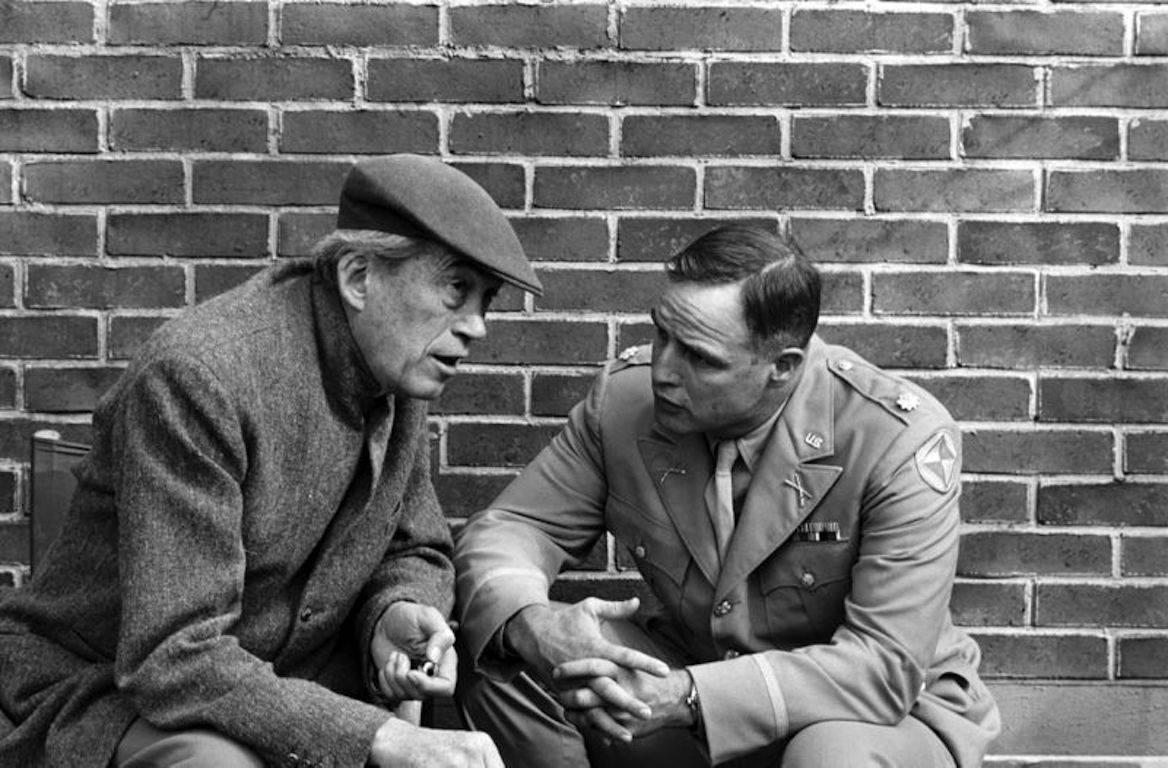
(629, 353)
(907, 401)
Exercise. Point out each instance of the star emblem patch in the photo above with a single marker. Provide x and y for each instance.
(907, 401)
(937, 462)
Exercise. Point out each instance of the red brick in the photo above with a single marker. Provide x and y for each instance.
(1082, 657)
(787, 84)
(7, 285)
(396, 24)
(7, 400)
(700, 135)
(299, 232)
(482, 393)
(1094, 605)
(622, 188)
(268, 182)
(104, 181)
(461, 495)
(1109, 295)
(616, 83)
(1148, 140)
(364, 132)
(574, 238)
(1036, 346)
(529, 133)
(957, 85)
(6, 195)
(103, 77)
(34, 22)
(189, 23)
(657, 239)
(273, 79)
(981, 398)
(1005, 136)
(843, 293)
(504, 182)
(48, 130)
(634, 334)
(53, 286)
(44, 337)
(542, 342)
(1047, 242)
(973, 190)
(1034, 32)
(1105, 504)
(1113, 85)
(66, 390)
(37, 233)
(1145, 555)
(213, 279)
(14, 542)
(481, 81)
(503, 445)
(6, 84)
(530, 26)
(1112, 191)
(554, 394)
(9, 579)
(1151, 34)
(871, 136)
(1109, 400)
(16, 437)
(1146, 452)
(989, 501)
(202, 130)
(1034, 451)
(188, 234)
(863, 31)
(988, 605)
(7, 492)
(600, 291)
(1148, 348)
(744, 187)
(126, 333)
(706, 29)
(1015, 553)
(953, 293)
(891, 345)
(1148, 244)
(1142, 657)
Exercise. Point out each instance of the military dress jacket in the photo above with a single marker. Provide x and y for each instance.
(249, 508)
(833, 600)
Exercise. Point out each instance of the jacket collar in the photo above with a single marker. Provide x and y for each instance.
(350, 385)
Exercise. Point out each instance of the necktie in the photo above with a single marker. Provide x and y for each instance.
(727, 454)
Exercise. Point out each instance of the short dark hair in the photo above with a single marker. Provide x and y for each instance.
(780, 286)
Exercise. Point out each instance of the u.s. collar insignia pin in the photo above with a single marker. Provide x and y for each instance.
(814, 439)
(907, 401)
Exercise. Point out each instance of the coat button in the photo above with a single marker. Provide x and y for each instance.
(731, 654)
(807, 579)
(638, 551)
(723, 608)
(306, 614)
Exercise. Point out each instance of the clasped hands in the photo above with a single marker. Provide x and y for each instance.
(615, 689)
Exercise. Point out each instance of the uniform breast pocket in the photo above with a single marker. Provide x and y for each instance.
(654, 546)
(804, 586)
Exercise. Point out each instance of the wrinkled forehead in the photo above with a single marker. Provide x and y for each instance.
(700, 313)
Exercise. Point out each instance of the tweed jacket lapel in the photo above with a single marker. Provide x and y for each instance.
(785, 487)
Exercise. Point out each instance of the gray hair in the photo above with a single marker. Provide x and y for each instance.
(372, 243)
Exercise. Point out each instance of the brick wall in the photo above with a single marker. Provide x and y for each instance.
(986, 187)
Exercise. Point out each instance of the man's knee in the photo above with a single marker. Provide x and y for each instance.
(145, 746)
(848, 744)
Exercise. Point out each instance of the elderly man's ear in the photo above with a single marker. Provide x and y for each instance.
(353, 270)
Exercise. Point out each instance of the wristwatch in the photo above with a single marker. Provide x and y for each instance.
(694, 704)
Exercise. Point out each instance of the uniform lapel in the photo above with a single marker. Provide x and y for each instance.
(680, 469)
(785, 488)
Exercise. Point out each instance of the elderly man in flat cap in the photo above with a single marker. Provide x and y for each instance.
(255, 553)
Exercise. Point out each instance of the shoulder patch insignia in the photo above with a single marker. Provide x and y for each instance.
(937, 461)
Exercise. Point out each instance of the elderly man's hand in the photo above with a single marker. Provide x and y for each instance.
(409, 635)
(401, 745)
(590, 688)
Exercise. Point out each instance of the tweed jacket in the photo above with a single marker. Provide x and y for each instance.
(833, 599)
(249, 508)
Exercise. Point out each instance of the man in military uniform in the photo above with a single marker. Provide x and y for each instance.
(793, 511)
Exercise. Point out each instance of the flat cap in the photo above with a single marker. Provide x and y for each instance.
(423, 197)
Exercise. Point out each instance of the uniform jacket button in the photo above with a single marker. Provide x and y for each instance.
(306, 614)
(731, 654)
(639, 551)
(808, 578)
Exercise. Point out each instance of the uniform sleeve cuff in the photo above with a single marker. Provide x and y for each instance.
(743, 708)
